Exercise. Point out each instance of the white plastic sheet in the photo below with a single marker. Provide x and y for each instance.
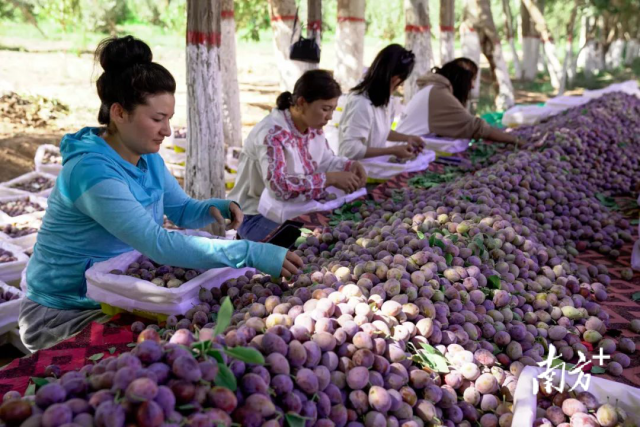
(280, 211)
(27, 177)
(10, 310)
(522, 115)
(27, 242)
(50, 168)
(525, 402)
(11, 271)
(630, 87)
(381, 168)
(445, 145)
(6, 219)
(565, 102)
(130, 293)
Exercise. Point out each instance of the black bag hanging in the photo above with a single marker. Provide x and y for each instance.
(305, 50)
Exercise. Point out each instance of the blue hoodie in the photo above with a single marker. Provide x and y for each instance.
(103, 206)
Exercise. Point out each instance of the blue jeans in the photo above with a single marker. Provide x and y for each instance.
(256, 227)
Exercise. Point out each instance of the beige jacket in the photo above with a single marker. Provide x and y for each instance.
(434, 110)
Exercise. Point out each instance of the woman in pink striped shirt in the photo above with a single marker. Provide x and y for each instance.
(288, 154)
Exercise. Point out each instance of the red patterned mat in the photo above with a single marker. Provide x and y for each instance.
(110, 338)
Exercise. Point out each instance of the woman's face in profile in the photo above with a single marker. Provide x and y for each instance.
(319, 112)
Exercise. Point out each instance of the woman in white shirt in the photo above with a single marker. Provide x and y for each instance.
(365, 126)
(277, 154)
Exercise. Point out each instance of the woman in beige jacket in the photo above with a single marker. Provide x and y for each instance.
(439, 107)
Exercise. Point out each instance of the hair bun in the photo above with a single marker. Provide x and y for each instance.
(119, 53)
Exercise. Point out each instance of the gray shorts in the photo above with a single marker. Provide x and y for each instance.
(42, 327)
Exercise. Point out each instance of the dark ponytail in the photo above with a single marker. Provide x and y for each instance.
(129, 76)
(311, 86)
(460, 72)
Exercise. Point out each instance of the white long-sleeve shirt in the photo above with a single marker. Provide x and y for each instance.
(277, 156)
(362, 126)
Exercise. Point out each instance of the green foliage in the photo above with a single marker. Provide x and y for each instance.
(252, 16)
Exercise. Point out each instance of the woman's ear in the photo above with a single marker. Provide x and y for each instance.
(117, 113)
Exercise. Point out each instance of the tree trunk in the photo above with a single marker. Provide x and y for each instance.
(447, 31)
(350, 43)
(484, 25)
(204, 172)
(555, 69)
(633, 51)
(568, 58)
(511, 34)
(283, 13)
(314, 20)
(614, 58)
(530, 45)
(471, 50)
(232, 122)
(587, 57)
(418, 40)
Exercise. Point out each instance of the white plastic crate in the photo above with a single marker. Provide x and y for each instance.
(50, 168)
(10, 310)
(132, 294)
(5, 218)
(26, 177)
(11, 271)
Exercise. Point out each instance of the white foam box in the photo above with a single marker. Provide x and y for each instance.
(525, 402)
(11, 271)
(10, 310)
(27, 177)
(27, 242)
(5, 218)
(50, 168)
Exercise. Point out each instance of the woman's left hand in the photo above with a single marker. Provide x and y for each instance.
(416, 143)
(236, 216)
(358, 169)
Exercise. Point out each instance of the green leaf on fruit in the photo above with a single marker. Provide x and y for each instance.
(111, 350)
(294, 420)
(493, 282)
(131, 345)
(439, 243)
(448, 258)
(598, 370)
(636, 296)
(187, 407)
(246, 354)
(225, 378)
(39, 382)
(430, 357)
(31, 390)
(454, 238)
(306, 231)
(420, 234)
(96, 357)
(216, 354)
(224, 316)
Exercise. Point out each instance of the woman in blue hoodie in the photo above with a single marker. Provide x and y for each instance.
(112, 195)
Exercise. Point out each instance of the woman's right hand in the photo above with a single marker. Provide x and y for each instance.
(291, 265)
(345, 181)
(402, 151)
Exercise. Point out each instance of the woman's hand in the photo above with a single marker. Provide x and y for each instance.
(236, 216)
(345, 181)
(216, 215)
(416, 143)
(402, 151)
(361, 173)
(291, 265)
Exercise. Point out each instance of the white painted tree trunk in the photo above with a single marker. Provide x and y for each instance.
(282, 17)
(482, 19)
(447, 31)
(568, 58)
(614, 58)
(633, 51)
(418, 40)
(204, 172)
(555, 69)
(232, 121)
(510, 33)
(471, 50)
(314, 20)
(530, 45)
(350, 43)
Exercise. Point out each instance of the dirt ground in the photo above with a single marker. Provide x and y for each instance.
(51, 70)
